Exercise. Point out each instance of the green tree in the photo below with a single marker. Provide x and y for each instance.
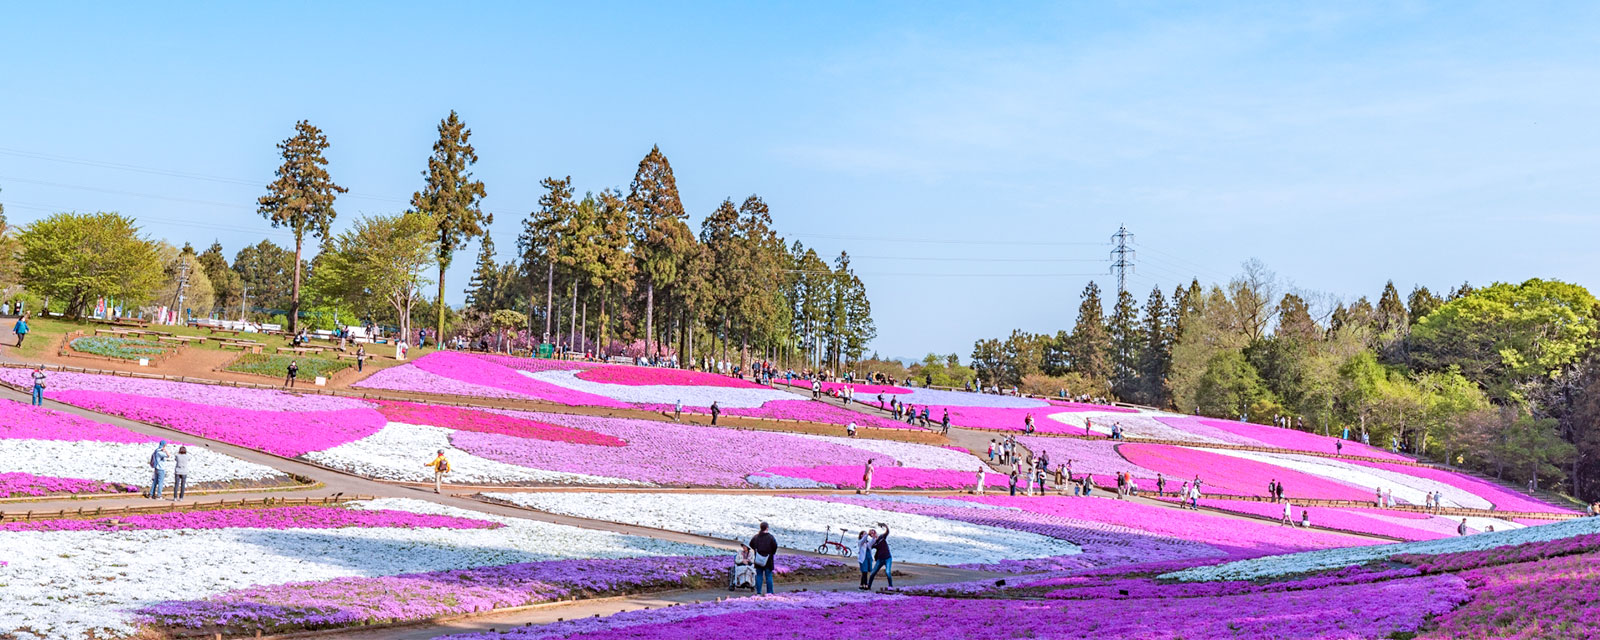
(185, 287)
(265, 276)
(383, 259)
(1091, 341)
(301, 198)
(1421, 303)
(1295, 322)
(661, 239)
(451, 198)
(78, 257)
(1230, 387)
(1127, 346)
(1507, 334)
(484, 289)
(1156, 359)
(225, 282)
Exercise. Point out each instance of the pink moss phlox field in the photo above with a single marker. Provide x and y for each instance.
(1297, 440)
(639, 376)
(1239, 538)
(492, 371)
(797, 409)
(1346, 519)
(1340, 612)
(1551, 598)
(1084, 406)
(1097, 456)
(663, 453)
(295, 517)
(284, 433)
(410, 378)
(863, 391)
(485, 422)
(1526, 552)
(362, 600)
(20, 421)
(1502, 498)
(16, 484)
(187, 392)
(1234, 476)
(1086, 587)
(888, 477)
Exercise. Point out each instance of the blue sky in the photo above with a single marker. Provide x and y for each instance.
(1344, 144)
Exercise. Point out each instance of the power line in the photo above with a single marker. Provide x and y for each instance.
(938, 241)
(965, 259)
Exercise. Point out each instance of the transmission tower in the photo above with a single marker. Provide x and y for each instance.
(1121, 257)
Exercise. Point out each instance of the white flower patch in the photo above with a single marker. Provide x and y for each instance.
(398, 452)
(920, 396)
(691, 396)
(1405, 488)
(765, 480)
(908, 454)
(1270, 566)
(800, 524)
(126, 463)
(69, 584)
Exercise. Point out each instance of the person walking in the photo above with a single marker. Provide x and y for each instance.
(991, 450)
(1288, 514)
(291, 374)
(715, 411)
(766, 548)
(816, 390)
(1461, 529)
(1161, 485)
(1013, 477)
(38, 385)
(158, 463)
(1338, 447)
(866, 477)
(677, 411)
(944, 423)
(440, 466)
(982, 472)
(864, 542)
(361, 358)
(180, 474)
(881, 560)
(21, 328)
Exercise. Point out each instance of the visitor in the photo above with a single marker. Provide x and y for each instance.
(1338, 447)
(1039, 478)
(850, 429)
(766, 548)
(1305, 518)
(1088, 484)
(816, 390)
(864, 542)
(944, 423)
(21, 328)
(1027, 423)
(1461, 529)
(1281, 494)
(440, 466)
(1388, 498)
(1088, 427)
(677, 411)
(881, 559)
(1161, 485)
(924, 418)
(715, 411)
(866, 477)
(1272, 490)
(1194, 496)
(1013, 477)
(1183, 492)
(291, 374)
(180, 473)
(38, 385)
(1288, 513)
(983, 469)
(1027, 483)
(1379, 501)
(744, 568)
(158, 461)
(361, 357)
(991, 450)
(1061, 481)
(1133, 485)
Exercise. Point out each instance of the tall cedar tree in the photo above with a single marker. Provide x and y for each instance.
(611, 266)
(717, 234)
(1392, 315)
(1156, 359)
(1295, 322)
(224, 282)
(301, 198)
(660, 238)
(451, 197)
(1127, 345)
(1422, 303)
(759, 311)
(541, 239)
(1091, 342)
(482, 288)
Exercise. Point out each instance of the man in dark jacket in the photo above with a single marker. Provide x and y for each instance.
(766, 548)
(881, 559)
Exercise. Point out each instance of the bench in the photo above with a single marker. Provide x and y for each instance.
(347, 356)
(181, 339)
(231, 332)
(113, 332)
(300, 350)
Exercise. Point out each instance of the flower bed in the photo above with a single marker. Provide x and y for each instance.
(1404, 487)
(486, 422)
(1404, 525)
(1552, 598)
(16, 484)
(291, 517)
(1223, 473)
(890, 477)
(799, 523)
(367, 600)
(119, 348)
(583, 627)
(398, 450)
(652, 376)
(1296, 440)
(1259, 568)
(1502, 498)
(51, 452)
(1385, 608)
(89, 583)
(863, 391)
(207, 394)
(1097, 457)
(277, 366)
(284, 433)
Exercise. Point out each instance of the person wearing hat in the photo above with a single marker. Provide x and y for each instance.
(440, 467)
(158, 462)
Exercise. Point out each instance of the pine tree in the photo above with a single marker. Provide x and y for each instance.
(301, 198)
(483, 288)
(1392, 316)
(1294, 320)
(1091, 342)
(1422, 303)
(1127, 345)
(451, 197)
(1156, 360)
(660, 237)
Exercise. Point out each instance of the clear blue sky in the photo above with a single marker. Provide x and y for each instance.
(1344, 144)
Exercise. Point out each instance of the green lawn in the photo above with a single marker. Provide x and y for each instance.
(277, 366)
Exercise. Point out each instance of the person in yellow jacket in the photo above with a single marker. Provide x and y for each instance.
(440, 466)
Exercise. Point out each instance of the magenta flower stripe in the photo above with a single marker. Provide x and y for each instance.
(295, 517)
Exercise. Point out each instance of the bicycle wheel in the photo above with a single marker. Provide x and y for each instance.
(822, 549)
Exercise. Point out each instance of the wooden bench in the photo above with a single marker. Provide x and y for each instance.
(300, 350)
(347, 356)
(231, 332)
(181, 339)
(249, 347)
(113, 332)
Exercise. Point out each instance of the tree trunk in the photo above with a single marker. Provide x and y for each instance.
(294, 300)
(583, 327)
(549, 298)
(649, 316)
(572, 321)
(438, 305)
(605, 292)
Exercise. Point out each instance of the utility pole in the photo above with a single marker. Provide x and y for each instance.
(183, 284)
(1121, 257)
